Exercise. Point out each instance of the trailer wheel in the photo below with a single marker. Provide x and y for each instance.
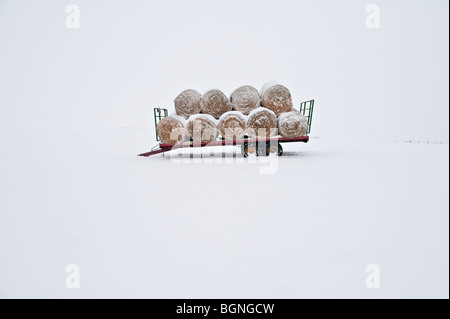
(274, 149)
(243, 150)
(248, 150)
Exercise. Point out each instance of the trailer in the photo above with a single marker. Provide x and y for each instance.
(249, 146)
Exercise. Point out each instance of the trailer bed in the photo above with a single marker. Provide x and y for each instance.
(161, 148)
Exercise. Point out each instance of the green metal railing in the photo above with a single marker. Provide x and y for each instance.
(159, 114)
(307, 108)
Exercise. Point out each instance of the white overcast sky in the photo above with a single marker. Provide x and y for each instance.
(130, 56)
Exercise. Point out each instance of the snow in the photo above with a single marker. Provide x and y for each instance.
(207, 116)
(232, 125)
(261, 123)
(84, 197)
(245, 98)
(236, 114)
(188, 103)
(292, 124)
(168, 134)
(259, 110)
(179, 118)
(204, 130)
(215, 103)
(77, 106)
(267, 86)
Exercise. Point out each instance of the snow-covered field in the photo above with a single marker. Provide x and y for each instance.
(76, 107)
(160, 227)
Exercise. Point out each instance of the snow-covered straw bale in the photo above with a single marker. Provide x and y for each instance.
(245, 99)
(261, 123)
(267, 85)
(202, 128)
(187, 103)
(171, 129)
(292, 124)
(277, 98)
(215, 103)
(232, 125)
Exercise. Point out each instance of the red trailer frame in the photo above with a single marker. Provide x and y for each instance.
(272, 145)
(249, 146)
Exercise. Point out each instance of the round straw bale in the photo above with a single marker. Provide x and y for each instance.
(187, 103)
(245, 99)
(267, 85)
(202, 128)
(292, 124)
(215, 103)
(171, 129)
(261, 123)
(232, 125)
(278, 99)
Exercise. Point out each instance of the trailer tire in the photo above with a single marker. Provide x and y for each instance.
(248, 150)
(280, 150)
(274, 149)
(243, 152)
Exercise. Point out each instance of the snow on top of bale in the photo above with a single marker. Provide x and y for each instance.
(232, 125)
(292, 124)
(278, 99)
(261, 109)
(245, 99)
(262, 123)
(215, 103)
(234, 113)
(188, 103)
(202, 128)
(268, 85)
(178, 117)
(207, 116)
(171, 129)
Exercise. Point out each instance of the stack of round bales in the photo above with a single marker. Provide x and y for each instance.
(258, 114)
